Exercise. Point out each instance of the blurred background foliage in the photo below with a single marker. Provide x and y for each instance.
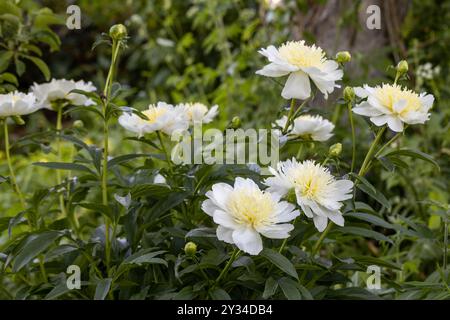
(206, 50)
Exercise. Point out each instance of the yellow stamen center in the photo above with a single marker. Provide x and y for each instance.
(299, 54)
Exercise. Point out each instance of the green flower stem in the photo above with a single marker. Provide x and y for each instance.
(11, 170)
(62, 205)
(398, 135)
(291, 112)
(163, 147)
(107, 94)
(233, 257)
(320, 240)
(445, 243)
(352, 125)
(286, 239)
(370, 153)
(300, 151)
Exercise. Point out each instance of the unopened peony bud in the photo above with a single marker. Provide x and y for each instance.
(235, 123)
(402, 67)
(335, 150)
(343, 56)
(190, 248)
(78, 124)
(118, 32)
(349, 94)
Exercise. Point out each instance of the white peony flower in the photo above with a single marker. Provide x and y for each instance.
(393, 105)
(17, 104)
(302, 63)
(308, 127)
(199, 113)
(159, 179)
(243, 212)
(161, 117)
(59, 90)
(317, 192)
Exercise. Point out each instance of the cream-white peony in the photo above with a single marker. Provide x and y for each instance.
(393, 105)
(160, 117)
(302, 63)
(244, 213)
(60, 90)
(199, 113)
(308, 127)
(316, 191)
(17, 104)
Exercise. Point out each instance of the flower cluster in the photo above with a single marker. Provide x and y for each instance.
(167, 118)
(51, 95)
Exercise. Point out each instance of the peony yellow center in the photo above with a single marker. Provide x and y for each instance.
(251, 207)
(299, 54)
(312, 181)
(388, 95)
(153, 113)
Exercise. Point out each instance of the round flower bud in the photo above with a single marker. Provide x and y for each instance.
(402, 67)
(335, 150)
(349, 94)
(118, 32)
(190, 248)
(343, 56)
(235, 123)
(78, 124)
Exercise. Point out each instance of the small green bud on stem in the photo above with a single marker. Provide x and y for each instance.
(118, 32)
(343, 56)
(190, 248)
(349, 94)
(335, 150)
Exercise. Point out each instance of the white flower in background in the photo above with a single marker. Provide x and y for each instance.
(393, 105)
(161, 117)
(308, 127)
(199, 113)
(17, 104)
(244, 213)
(316, 191)
(60, 90)
(159, 179)
(302, 63)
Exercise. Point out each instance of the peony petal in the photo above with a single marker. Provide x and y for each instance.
(320, 223)
(248, 240)
(400, 105)
(273, 70)
(276, 231)
(297, 86)
(379, 120)
(224, 219)
(225, 234)
(395, 124)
